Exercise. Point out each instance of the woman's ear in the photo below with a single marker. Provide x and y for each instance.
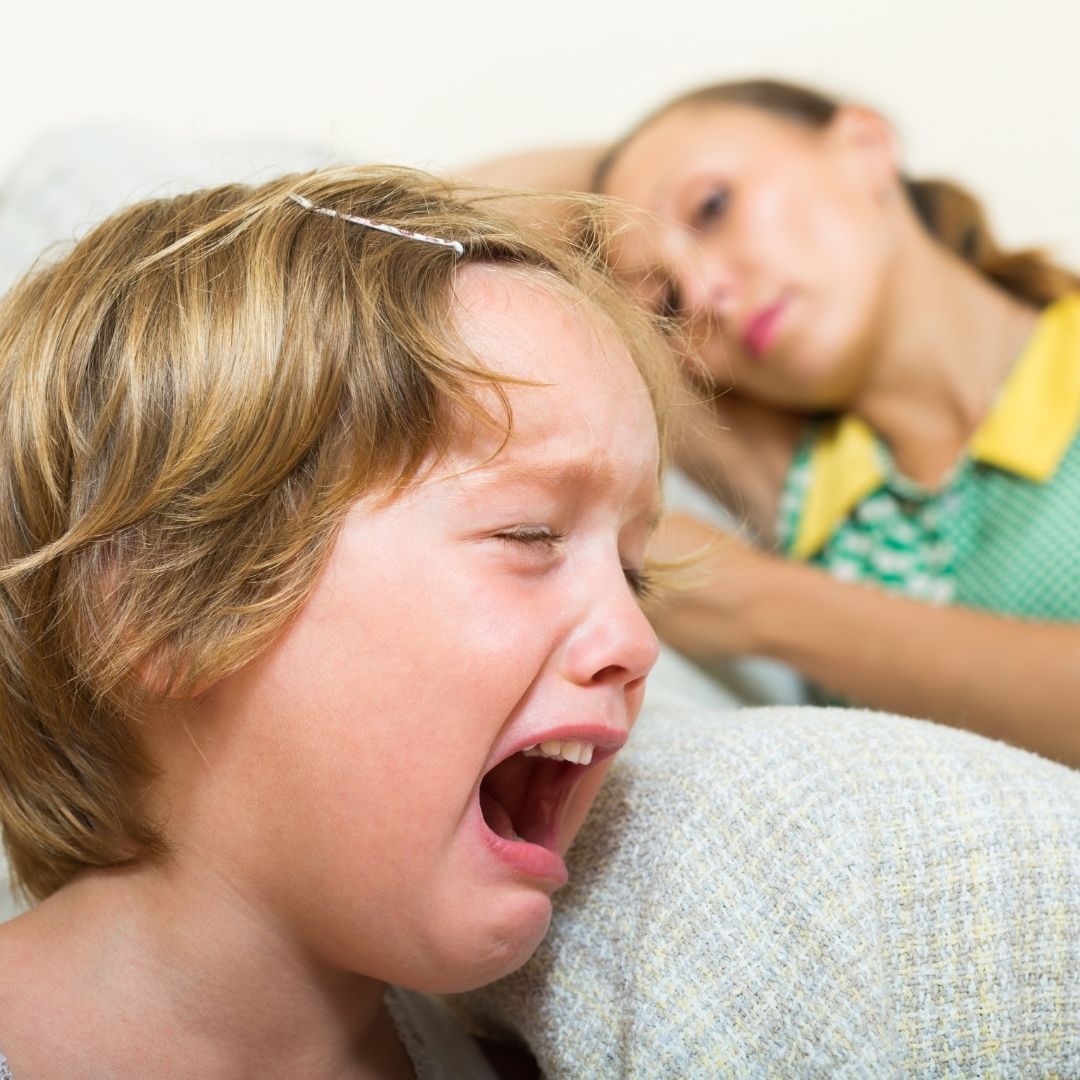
(869, 146)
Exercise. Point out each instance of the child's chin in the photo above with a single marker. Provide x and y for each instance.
(493, 947)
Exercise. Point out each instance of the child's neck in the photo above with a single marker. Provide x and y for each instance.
(143, 975)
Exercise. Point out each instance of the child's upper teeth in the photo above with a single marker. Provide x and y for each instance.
(573, 750)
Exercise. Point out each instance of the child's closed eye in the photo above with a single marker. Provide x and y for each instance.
(642, 582)
(541, 536)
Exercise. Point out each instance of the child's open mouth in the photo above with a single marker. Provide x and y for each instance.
(522, 800)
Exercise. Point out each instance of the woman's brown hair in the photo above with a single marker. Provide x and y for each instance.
(947, 210)
(190, 402)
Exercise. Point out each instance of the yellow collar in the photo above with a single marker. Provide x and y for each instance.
(1026, 432)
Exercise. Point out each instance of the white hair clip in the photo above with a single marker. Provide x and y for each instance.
(307, 204)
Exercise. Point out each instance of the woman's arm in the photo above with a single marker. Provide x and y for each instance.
(553, 170)
(565, 168)
(1002, 677)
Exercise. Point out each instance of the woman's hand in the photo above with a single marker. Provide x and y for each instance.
(1003, 677)
(710, 612)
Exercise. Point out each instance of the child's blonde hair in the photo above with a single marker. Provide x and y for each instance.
(190, 402)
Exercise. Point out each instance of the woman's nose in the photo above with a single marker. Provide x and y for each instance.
(704, 282)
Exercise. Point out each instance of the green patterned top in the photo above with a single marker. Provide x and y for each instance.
(1002, 532)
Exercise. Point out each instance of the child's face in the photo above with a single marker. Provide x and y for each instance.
(487, 610)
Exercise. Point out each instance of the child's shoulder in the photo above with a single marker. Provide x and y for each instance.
(16, 961)
(16, 974)
(32, 1003)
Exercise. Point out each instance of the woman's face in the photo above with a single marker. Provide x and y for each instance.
(364, 784)
(773, 239)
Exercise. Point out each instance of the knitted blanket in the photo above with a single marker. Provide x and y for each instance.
(810, 893)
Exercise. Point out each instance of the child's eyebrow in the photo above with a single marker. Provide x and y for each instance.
(575, 473)
(556, 475)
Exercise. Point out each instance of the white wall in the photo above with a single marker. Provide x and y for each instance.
(984, 91)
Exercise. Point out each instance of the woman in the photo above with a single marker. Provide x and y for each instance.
(891, 403)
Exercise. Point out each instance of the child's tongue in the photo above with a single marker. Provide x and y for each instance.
(498, 820)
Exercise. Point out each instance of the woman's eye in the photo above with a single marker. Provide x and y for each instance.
(712, 208)
(668, 307)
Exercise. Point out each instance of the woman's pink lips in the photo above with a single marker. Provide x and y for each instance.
(760, 332)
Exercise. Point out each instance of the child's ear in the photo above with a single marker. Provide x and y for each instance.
(870, 146)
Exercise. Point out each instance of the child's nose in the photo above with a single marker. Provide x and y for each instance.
(614, 643)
